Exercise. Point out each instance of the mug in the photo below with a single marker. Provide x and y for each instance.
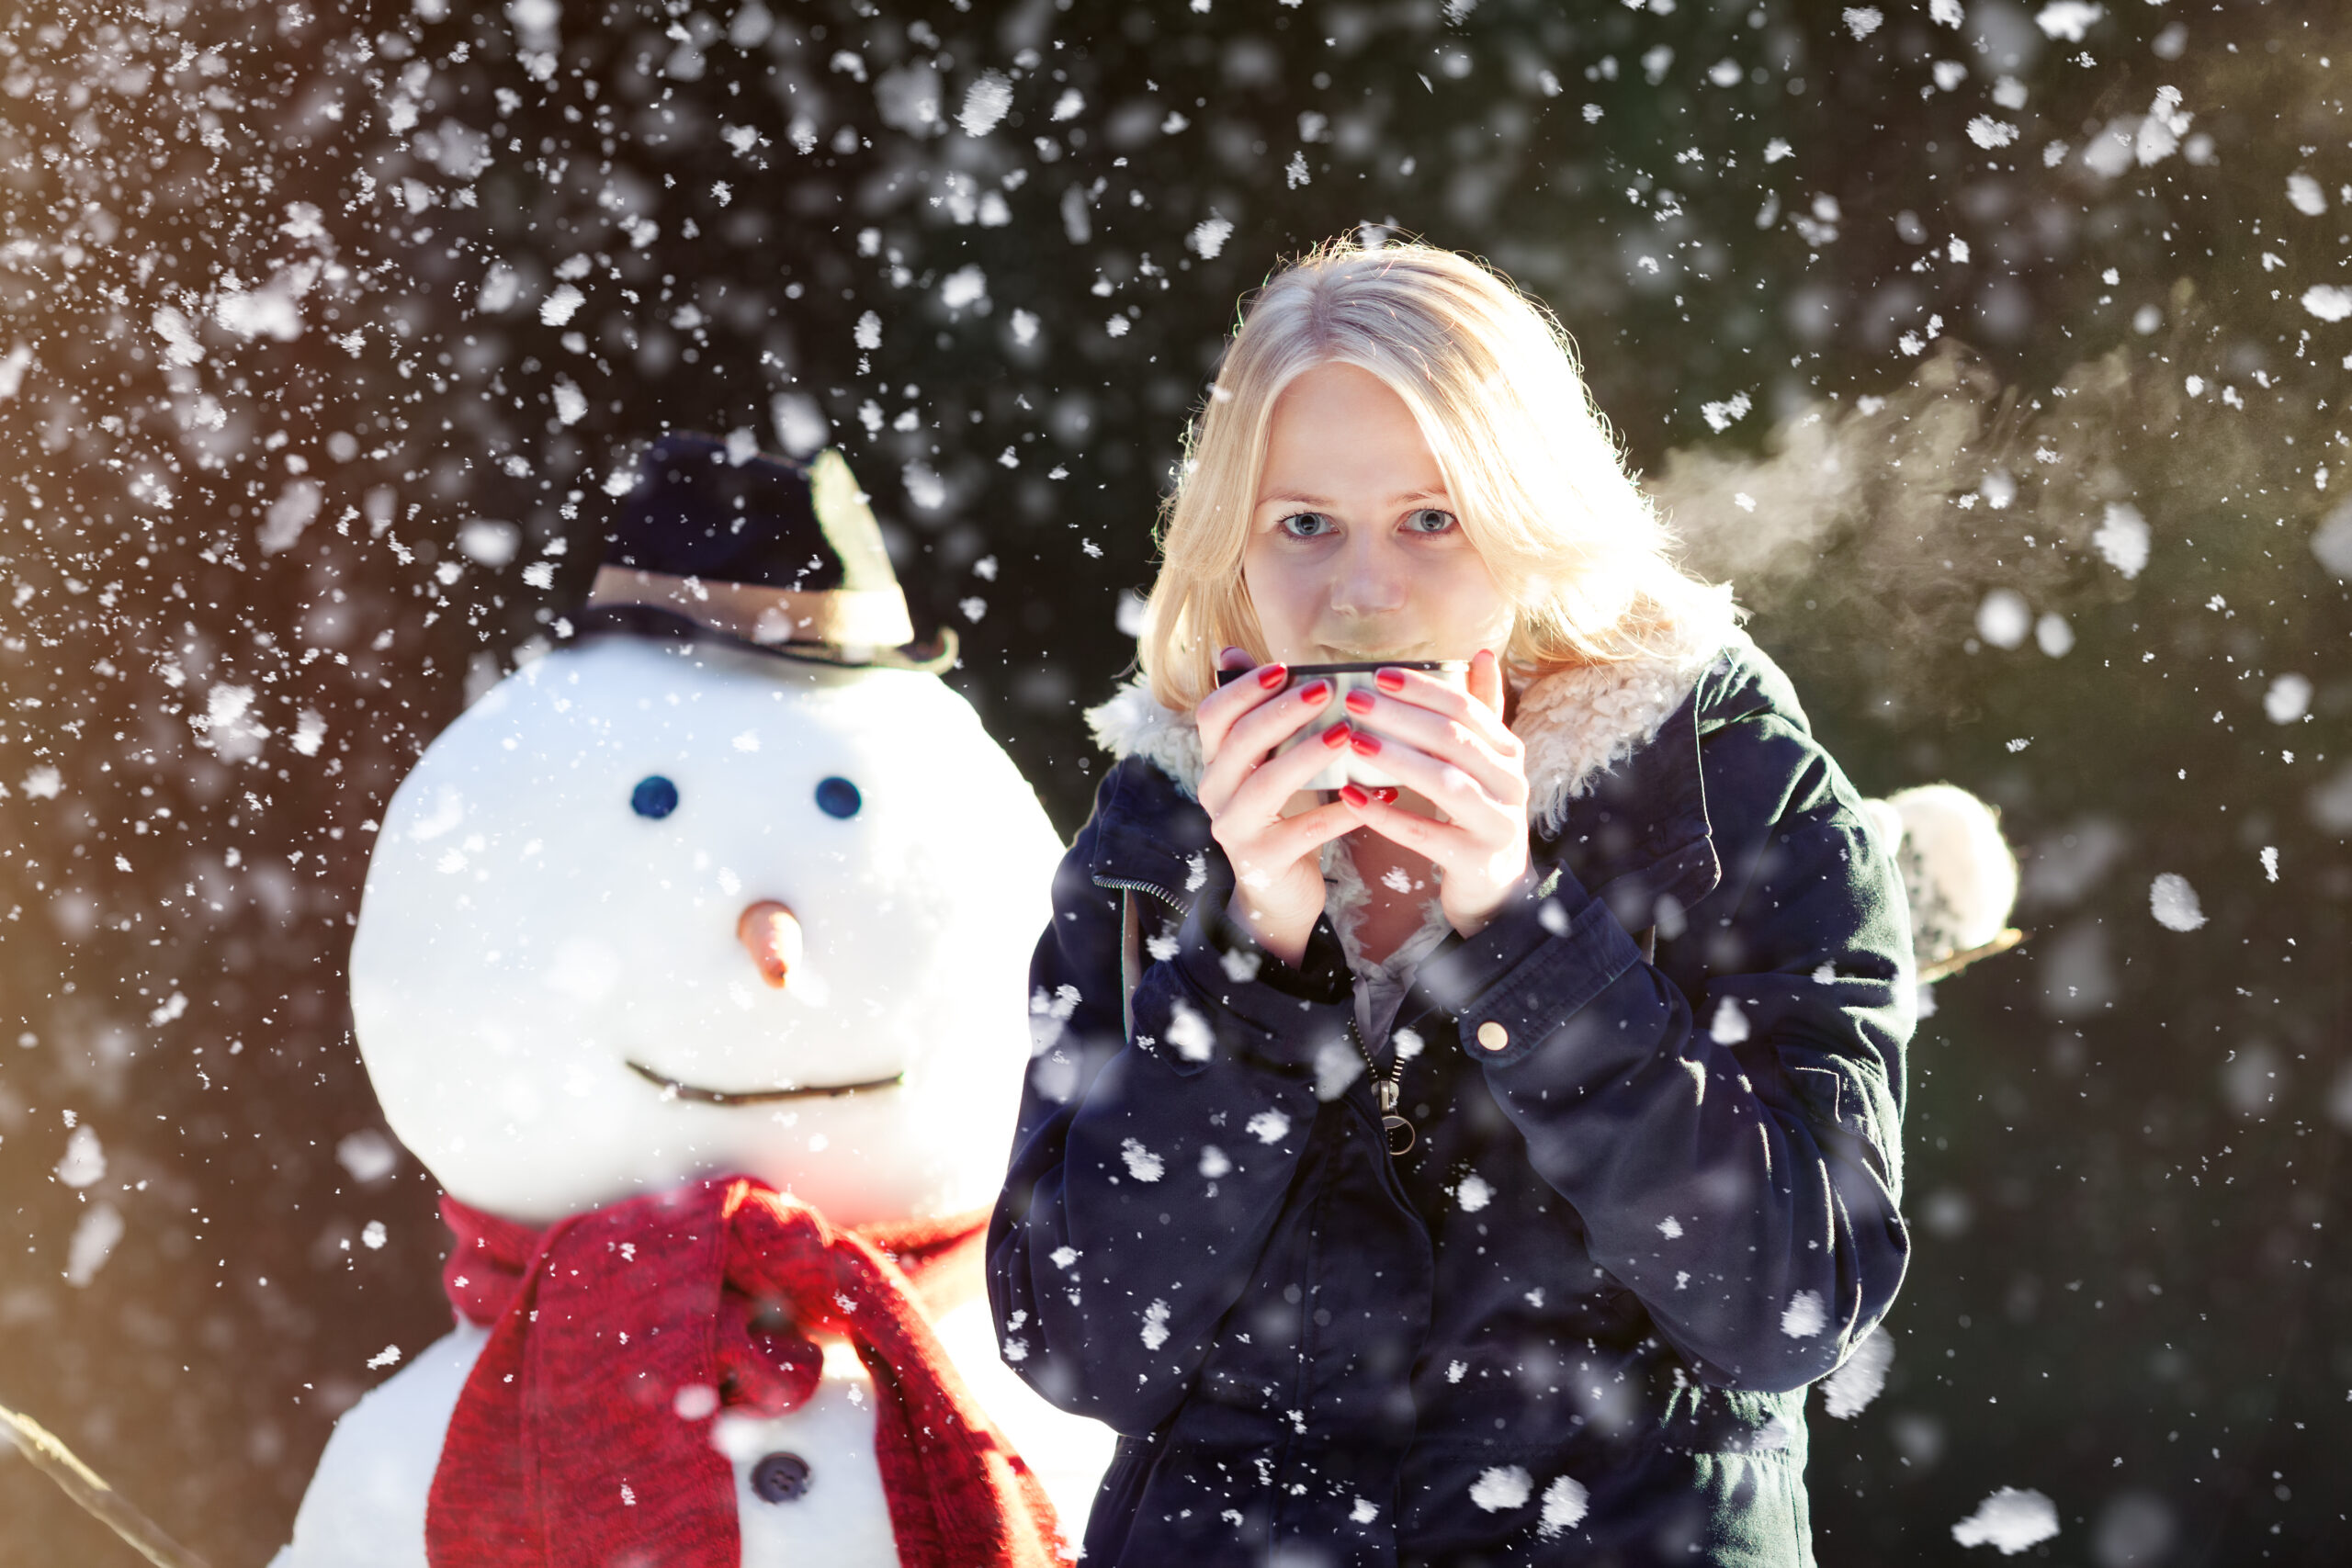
(1349, 767)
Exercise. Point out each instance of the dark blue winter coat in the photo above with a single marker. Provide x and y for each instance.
(1575, 1322)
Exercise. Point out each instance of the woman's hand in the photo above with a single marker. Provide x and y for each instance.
(1452, 747)
(1279, 875)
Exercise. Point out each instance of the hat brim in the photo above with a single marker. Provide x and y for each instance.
(932, 658)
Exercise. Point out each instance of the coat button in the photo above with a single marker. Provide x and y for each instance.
(780, 1477)
(1493, 1035)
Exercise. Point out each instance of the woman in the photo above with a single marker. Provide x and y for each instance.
(1621, 942)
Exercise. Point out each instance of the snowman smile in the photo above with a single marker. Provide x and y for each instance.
(672, 1088)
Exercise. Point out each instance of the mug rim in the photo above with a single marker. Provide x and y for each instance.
(1359, 667)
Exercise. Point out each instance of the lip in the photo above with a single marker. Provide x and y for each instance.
(673, 1088)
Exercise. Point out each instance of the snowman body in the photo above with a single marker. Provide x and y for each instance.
(562, 1003)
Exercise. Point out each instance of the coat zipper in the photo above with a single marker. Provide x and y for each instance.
(1123, 884)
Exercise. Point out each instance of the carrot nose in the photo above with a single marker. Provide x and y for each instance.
(771, 936)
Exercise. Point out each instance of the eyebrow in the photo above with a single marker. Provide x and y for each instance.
(1289, 496)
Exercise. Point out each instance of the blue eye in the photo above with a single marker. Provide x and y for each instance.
(1430, 520)
(654, 796)
(838, 797)
(1305, 525)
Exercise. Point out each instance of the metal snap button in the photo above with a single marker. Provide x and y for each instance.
(780, 1477)
(1493, 1035)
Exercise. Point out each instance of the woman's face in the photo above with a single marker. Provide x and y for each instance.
(1355, 551)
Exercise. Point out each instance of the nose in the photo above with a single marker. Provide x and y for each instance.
(771, 934)
(1370, 578)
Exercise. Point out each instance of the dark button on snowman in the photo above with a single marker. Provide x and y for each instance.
(729, 884)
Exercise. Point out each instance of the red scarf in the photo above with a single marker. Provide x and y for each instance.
(569, 1447)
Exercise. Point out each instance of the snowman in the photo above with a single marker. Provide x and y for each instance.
(691, 962)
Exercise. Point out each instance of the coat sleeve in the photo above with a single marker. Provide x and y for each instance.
(1739, 1172)
(1147, 1173)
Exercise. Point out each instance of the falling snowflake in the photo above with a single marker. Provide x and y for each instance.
(1989, 133)
(1142, 1164)
(2122, 539)
(986, 102)
(2010, 1521)
(1155, 1326)
(1804, 1317)
(1503, 1486)
(2068, 19)
(2173, 903)
(1849, 1391)
(1564, 1507)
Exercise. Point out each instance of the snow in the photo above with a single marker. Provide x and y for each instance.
(1730, 1024)
(1269, 1126)
(2122, 538)
(368, 1154)
(2331, 540)
(1503, 1486)
(2328, 301)
(1473, 1193)
(85, 1161)
(1670, 1228)
(2009, 1520)
(96, 1234)
(1849, 1391)
(1564, 1502)
(1142, 1164)
(986, 103)
(2305, 195)
(2068, 19)
(1190, 1032)
(1988, 132)
(1804, 1317)
(1863, 21)
(2173, 903)
(2289, 698)
(1155, 1326)
(1722, 416)
(2003, 618)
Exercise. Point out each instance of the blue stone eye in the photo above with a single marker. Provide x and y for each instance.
(838, 797)
(654, 796)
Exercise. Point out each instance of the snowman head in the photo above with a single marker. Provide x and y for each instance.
(658, 907)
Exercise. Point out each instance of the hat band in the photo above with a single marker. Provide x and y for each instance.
(771, 617)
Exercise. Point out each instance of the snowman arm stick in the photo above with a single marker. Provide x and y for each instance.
(86, 1486)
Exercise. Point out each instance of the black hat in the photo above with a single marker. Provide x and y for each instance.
(765, 552)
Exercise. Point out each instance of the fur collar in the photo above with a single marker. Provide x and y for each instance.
(1576, 724)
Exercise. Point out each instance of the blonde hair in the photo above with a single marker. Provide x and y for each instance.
(1537, 477)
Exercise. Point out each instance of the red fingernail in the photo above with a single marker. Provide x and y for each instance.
(1360, 701)
(1273, 676)
(1369, 745)
(1390, 679)
(1336, 733)
(1316, 694)
(1354, 795)
(1386, 795)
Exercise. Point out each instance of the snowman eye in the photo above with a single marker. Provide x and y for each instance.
(838, 797)
(654, 796)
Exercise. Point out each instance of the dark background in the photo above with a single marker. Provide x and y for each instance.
(275, 354)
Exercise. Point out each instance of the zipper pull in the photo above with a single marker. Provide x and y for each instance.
(1385, 1088)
